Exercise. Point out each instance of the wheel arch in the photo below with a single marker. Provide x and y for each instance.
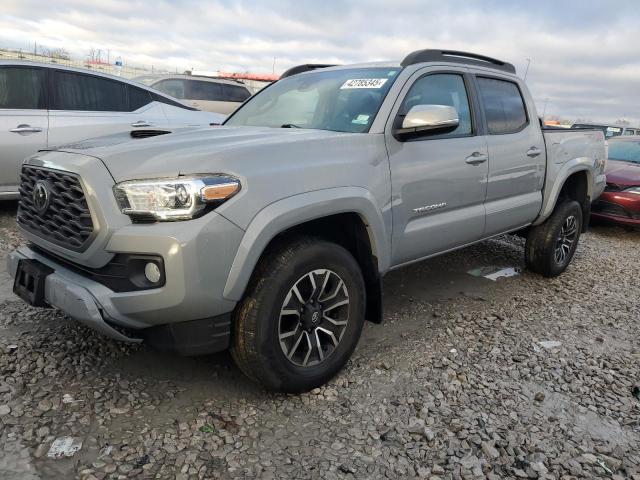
(348, 216)
(577, 185)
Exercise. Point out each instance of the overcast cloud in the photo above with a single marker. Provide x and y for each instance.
(585, 56)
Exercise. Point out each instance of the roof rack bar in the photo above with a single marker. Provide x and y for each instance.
(429, 55)
(307, 67)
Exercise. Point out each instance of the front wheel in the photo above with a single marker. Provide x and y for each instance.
(550, 246)
(302, 316)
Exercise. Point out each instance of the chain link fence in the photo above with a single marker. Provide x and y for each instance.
(123, 70)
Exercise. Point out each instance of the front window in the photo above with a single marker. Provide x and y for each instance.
(345, 100)
(625, 151)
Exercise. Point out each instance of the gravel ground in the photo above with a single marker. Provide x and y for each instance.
(454, 384)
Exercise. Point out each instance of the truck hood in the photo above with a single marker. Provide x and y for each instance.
(626, 174)
(206, 150)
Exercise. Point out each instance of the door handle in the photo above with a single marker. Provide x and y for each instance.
(25, 129)
(476, 158)
(141, 123)
(533, 152)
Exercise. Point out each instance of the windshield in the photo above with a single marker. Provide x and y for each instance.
(339, 100)
(625, 151)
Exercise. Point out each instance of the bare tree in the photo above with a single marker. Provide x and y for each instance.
(57, 53)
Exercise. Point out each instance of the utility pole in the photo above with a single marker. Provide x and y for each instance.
(544, 110)
(527, 69)
(273, 69)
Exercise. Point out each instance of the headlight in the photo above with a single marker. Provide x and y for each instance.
(633, 190)
(168, 199)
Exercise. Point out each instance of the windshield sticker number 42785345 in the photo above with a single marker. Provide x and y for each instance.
(364, 83)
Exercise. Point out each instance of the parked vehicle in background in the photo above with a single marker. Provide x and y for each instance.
(271, 234)
(206, 93)
(609, 130)
(43, 105)
(620, 201)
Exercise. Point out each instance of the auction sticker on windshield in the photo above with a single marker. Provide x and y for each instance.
(364, 83)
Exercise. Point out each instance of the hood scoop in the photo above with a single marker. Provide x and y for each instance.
(148, 133)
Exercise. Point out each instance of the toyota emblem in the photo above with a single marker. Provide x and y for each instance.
(40, 197)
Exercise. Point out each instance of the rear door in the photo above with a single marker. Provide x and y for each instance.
(87, 106)
(438, 180)
(517, 155)
(23, 120)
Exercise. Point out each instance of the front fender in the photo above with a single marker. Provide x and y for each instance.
(297, 209)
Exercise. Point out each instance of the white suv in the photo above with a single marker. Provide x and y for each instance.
(44, 105)
(211, 94)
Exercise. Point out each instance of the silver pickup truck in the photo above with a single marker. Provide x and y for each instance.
(270, 235)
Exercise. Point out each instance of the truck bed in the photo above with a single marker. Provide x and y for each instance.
(569, 150)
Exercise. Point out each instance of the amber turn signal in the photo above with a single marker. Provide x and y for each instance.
(222, 191)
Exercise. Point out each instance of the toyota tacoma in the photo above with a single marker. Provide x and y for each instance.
(270, 234)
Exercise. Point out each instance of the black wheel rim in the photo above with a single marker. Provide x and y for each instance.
(313, 318)
(566, 239)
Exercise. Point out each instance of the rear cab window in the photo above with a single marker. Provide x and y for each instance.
(504, 107)
(22, 88)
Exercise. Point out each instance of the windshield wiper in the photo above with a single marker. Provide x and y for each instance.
(290, 125)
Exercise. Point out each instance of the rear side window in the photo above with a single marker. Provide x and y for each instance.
(174, 87)
(22, 88)
(210, 91)
(503, 106)
(79, 92)
(233, 93)
(138, 97)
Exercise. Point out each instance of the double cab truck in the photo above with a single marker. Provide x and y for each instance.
(270, 234)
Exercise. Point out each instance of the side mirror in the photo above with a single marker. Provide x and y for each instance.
(425, 119)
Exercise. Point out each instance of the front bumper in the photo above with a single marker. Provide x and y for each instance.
(618, 207)
(197, 258)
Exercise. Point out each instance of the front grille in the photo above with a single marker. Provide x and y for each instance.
(609, 208)
(63, 217)
(612, 187)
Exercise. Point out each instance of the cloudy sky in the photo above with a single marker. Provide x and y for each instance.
(585, 55)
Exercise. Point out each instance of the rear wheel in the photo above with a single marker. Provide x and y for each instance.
(551, 245)
(302, 316)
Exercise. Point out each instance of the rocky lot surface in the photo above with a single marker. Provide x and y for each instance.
(455, 384)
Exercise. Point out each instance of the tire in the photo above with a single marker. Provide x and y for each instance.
(541, 255)
(267, 312)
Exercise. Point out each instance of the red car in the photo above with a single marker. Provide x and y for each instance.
(620, 201)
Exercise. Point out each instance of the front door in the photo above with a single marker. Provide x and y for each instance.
(23, 121)
(438, 180)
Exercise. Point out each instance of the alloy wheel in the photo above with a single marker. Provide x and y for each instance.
(565, 240)
(313, 318)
